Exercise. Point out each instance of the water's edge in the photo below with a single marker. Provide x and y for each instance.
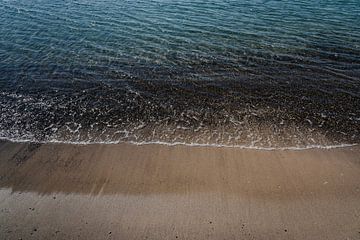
(185, 144)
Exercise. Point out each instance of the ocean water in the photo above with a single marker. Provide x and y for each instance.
(251, 73)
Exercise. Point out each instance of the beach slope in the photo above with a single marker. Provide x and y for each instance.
(125, 191)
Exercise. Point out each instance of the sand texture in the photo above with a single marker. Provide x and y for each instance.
(124, 191)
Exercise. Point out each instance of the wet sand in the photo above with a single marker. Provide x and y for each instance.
(124, 191)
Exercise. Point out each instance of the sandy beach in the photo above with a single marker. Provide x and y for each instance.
(124, 191)
(184, 120)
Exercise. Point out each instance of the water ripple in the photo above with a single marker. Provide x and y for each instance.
(230, 73)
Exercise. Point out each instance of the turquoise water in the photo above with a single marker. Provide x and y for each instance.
(247, 73)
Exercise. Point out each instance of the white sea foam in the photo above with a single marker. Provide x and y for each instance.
(140, 143)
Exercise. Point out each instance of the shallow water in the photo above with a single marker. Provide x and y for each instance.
(245, 73)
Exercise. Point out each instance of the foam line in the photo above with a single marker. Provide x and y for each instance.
(183, 144)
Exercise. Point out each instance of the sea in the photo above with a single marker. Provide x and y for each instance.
(267, 74)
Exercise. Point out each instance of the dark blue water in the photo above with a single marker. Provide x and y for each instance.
(247, 73)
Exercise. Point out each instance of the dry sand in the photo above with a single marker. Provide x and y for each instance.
(59, 191)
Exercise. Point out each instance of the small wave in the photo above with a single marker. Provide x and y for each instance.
(141, 143)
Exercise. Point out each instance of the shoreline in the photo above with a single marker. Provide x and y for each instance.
(126, 191)
(174, 144)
